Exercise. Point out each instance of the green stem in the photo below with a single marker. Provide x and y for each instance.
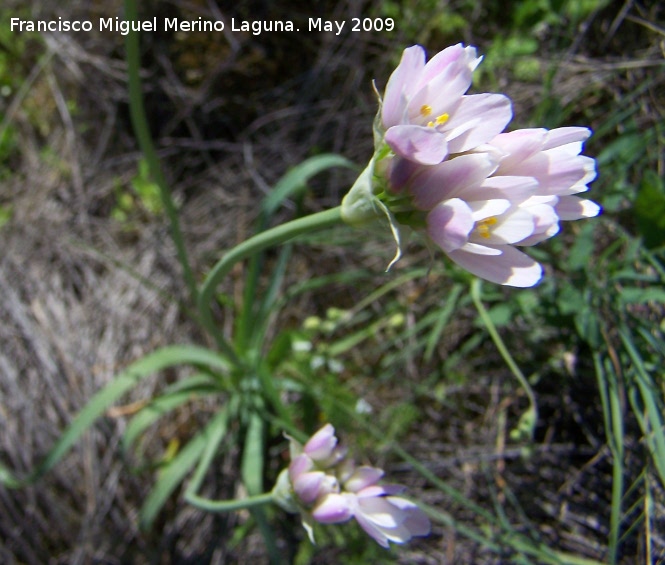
(229, 505)
(142, 131)
(269, 238)
(503, 350)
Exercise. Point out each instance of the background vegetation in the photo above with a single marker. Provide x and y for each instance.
(403, 364)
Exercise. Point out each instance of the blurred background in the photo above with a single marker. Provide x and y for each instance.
(89, 280)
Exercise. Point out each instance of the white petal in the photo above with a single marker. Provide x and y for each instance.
(510, 228)
(563, 136)
(476, 120)
(515, 189)
(573, 208)
(511, 267)
(485, 209)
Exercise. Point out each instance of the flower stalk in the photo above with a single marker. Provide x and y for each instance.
(142, 131)
(270, 238)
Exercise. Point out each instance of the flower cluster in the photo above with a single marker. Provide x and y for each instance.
(443, 164)
(326, 487)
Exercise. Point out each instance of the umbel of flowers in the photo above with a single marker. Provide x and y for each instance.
(443, 165)
(325, 486)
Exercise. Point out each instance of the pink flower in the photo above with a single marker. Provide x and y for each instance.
(443, 164)
(511, 192)
(530, 190)
(553, 158)
(426, 113)
(382, 515)
(326, 487)
(386, 517)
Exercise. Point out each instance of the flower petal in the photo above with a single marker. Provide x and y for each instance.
(401, 81)
(299, 465)
(476, 120)
(514, 188)
(573, 208)
(307, 486)
(417, 143)
(450, 179)
(509, 267)
(333, 509)
(449, 224)
(416, 520)
(321, 445)
(563, 136)
(511, 227)
(362, 477)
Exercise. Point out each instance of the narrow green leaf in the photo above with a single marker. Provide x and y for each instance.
(252, 457)
(161, 405)
(295, 180)
(174, 472)
(652, 424)
(443, 316)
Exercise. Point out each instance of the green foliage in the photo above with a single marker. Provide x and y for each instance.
(5, 214)
(650, 209)
(142, 196)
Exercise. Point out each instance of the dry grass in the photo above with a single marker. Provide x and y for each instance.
(229, 115)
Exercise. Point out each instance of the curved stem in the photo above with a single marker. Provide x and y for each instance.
(229, 505)
(269, 238)
(142, 131)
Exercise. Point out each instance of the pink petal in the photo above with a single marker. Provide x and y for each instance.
(477, 119)
(381, 512)
(362, 478)
(510, 267)
(333, 509)
(513, 188)
(449, 224)
(307, 486)
(455, 56)
(299, 465)
(441, 93)
(519, 145)
(417, 143)
(321, 445)
(372, 491)
(450, 179)
(372, 530)
(416, 520)
(400, 83)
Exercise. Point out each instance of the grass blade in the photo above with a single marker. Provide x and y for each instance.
(174, 472)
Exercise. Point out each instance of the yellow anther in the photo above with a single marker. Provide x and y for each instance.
(425, 110)
(442, 119)
(483, 227)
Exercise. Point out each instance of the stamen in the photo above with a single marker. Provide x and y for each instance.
(442, 119)
(483, 227)
(425, 110)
